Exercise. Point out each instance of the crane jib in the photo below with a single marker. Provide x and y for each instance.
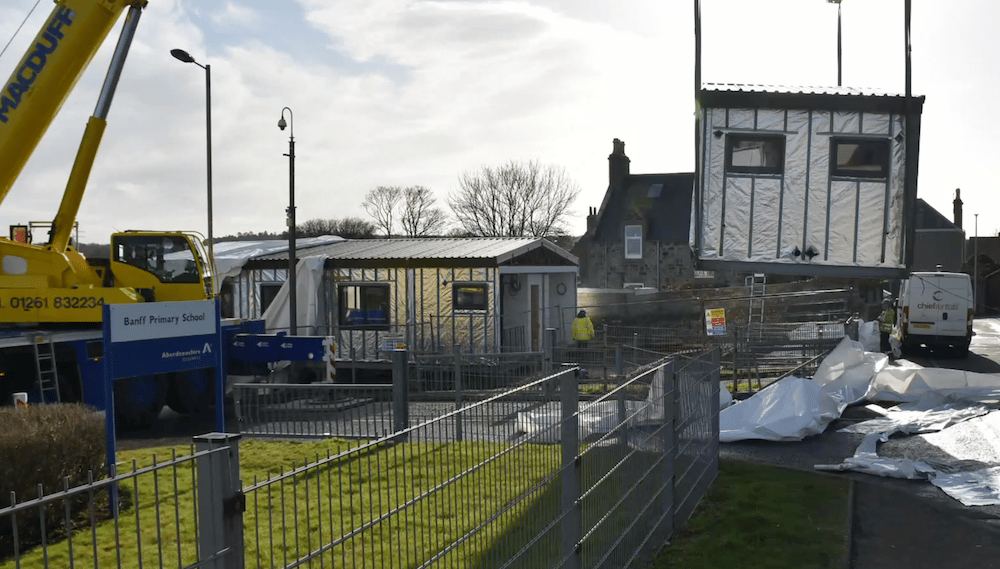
(35, 62)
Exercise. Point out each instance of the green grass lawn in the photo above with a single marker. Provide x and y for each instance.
(754, 516)
(758, 516)
(449, 490)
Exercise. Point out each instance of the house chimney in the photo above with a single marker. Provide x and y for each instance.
(591, 220)
(958, 207)
(617, 167)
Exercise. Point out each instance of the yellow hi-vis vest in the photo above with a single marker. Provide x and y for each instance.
(886, 320)
(583, 329)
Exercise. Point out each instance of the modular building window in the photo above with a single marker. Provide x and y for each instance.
(470, 297)
(363, 306)
(755, 154)
(268, 292)
(859, 158)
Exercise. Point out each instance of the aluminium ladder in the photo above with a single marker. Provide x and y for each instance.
(45, 366)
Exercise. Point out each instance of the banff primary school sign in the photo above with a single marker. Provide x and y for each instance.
(162, 337)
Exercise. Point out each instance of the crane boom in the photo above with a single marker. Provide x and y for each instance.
(44, 78)
(54, 284)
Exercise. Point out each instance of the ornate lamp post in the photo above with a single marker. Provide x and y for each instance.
(293, 291)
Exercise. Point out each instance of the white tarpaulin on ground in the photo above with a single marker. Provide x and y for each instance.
(948, 412)
(795, 408)
(789, 410)
(955, 466)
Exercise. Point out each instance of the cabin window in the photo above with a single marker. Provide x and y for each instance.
(755, 154)
(859, 158)
(633, 241)
(467, 297)
(268, 292)
(363, 306)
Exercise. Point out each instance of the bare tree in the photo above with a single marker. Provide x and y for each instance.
(517, 199)
(348, 228)
(380, 204)
(356, 228)
(419, 216)
(316, 227)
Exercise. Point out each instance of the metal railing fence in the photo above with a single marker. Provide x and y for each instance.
(151, 515)
(541, 475)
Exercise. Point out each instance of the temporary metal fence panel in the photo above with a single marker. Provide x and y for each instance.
(696, 430)
(314, 410)
(476, 371)
(155, 514)
(760, 354)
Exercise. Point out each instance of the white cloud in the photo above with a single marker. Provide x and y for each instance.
(415, 92)
(234, 15)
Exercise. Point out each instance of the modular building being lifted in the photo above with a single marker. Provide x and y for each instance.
(805, 181)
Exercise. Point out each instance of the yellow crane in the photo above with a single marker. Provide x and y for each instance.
(53, 283)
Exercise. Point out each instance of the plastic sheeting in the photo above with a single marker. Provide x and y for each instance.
(795, 408)
(975, 485)
(308, 300)
(789, 410)
(230, 256)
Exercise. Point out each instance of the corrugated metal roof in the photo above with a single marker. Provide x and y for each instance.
(392, 251)
(797, 90)
(842, 99)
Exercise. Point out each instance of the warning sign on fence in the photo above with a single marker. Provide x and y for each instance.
(715, 321)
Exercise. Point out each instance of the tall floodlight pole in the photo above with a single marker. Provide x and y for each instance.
(292, 290)
(186, 58)
(839, 45)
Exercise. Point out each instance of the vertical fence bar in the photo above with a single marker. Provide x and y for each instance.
(668, 439)
(572, 519)
(221, 501)
(400, 407)
(456, 351)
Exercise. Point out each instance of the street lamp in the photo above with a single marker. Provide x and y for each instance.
(839, 43)
(292, 290)
(182, 55)
(975, 267)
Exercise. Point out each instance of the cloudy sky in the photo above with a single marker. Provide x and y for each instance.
(415, 92)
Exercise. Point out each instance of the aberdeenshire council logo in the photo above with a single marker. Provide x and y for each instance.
(188, 353)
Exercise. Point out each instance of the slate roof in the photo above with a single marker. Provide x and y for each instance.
(929, 218)
(661, 201)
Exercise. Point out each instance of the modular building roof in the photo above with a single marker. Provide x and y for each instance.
(431, 252)
(741, 95)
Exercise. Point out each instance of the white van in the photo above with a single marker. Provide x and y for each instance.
(935, 310)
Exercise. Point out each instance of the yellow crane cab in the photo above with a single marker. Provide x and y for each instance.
(162, 265)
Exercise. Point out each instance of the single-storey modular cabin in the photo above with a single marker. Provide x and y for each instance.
(818, 182)
(484, 295)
